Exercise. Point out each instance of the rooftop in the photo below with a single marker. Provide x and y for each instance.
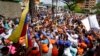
(10, 9)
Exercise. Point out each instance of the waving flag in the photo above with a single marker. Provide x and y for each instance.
(28, 39)
(18, 32)
(26, 33)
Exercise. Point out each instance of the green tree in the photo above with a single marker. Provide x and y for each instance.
(97, 8)
(77, 9)
(65, 7)
(71, 4)
(41, 3)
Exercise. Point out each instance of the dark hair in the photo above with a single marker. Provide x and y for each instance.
(5, 50)
(34, 48)
(97, 51)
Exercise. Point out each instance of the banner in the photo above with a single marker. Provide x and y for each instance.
(17, 32)
(90, 22)
(86, 23)
(93, 22)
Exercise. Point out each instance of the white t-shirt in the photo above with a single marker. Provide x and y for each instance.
(73, 51)
(6, 36)
(70, 37)
(67, 52)
(57, 37)
(36, 45)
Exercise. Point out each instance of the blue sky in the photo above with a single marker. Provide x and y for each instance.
(50, 2)
(46, 1)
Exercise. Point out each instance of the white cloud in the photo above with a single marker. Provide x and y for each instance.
(50, 2)
(46, 1)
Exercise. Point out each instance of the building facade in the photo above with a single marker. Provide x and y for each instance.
(88, 4)
(10, 9)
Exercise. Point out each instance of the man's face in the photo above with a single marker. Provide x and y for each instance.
(6, 30)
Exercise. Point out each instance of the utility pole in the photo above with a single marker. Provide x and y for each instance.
(56, 6)
(32, 9)
(52, 9)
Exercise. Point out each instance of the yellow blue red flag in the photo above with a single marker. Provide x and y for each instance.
(18, 32)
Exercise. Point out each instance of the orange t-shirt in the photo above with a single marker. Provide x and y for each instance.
(31, 54)
(45, 48)
(80, 51)
(52, 41)
(60, 30)
(90, 38)
(83, 44)
(34, 53)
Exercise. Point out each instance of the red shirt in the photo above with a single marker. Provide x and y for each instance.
(2, 30)
(54, 51)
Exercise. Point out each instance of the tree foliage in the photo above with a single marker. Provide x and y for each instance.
(71, 4)
(77, 9)
(98, 5)
(97, 8)
(65, 7)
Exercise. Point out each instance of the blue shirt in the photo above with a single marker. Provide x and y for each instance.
(45, 41)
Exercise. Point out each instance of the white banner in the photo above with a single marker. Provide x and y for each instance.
(86, 23)
(93, 22)
(90, 22)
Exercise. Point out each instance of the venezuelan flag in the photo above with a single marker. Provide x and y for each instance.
(28, 39)
(20, 31)
(25, 35)
(23, 39)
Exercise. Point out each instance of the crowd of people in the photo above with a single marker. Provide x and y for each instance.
(63, 35)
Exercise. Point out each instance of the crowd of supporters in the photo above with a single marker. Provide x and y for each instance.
(63, 35)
